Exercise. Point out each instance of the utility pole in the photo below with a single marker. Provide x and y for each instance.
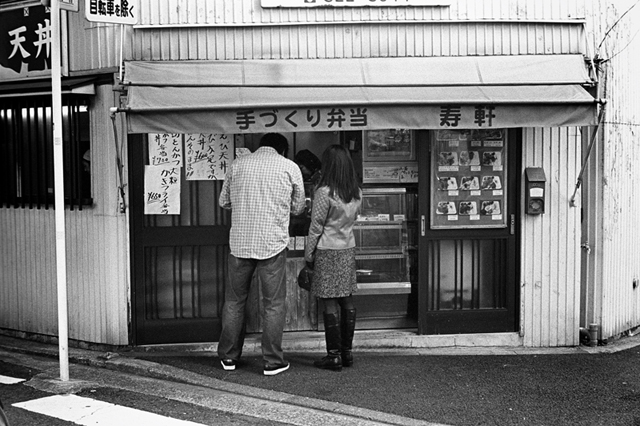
(58, 174)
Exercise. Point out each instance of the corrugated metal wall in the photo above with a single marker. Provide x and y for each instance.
(614, 203)
(241, 29)
(97, 256)
(247, 12)
(550, 256)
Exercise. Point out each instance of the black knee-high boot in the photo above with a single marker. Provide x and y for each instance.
(333, 360)
(348, 320)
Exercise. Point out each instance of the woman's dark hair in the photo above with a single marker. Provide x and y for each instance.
(308, 159)
(339, 174)
(277, 142)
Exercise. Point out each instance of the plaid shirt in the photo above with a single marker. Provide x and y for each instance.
(261, 189)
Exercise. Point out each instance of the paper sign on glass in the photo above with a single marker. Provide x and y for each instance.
(208, 156)
(161, 190)
(165, 148)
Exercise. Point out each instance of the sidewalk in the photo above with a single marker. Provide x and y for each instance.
(401, 385)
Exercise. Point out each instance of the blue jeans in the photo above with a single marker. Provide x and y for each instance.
(272, 278)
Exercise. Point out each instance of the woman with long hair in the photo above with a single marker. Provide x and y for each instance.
(330, 252)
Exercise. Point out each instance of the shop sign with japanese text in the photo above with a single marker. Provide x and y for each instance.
(349, 118)
(358, 118)
(352, 3)
(112, 11)
(25, 42)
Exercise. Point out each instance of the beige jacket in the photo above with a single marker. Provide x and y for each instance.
(331, 223)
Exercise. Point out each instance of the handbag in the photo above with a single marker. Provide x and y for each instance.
(304, 278)
(306, 274)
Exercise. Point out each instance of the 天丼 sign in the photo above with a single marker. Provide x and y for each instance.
(25, 42)
(112, 11)
(352, 3)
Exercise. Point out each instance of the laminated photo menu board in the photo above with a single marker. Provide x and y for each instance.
(468, 178)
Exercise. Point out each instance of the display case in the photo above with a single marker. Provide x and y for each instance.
(382, 258)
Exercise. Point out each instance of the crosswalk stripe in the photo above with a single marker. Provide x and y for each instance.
(6, 380)
(87, 411)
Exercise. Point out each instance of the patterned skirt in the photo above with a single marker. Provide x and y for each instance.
(334, 273)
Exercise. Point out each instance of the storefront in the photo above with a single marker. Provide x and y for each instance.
(406, 86)
(438, 142)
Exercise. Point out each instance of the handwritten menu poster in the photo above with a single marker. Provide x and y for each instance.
(468, 182)
(165, 148)
(162, 189)
(208, 156)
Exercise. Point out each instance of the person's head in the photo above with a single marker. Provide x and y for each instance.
(308, 163)
(277, 142)
(339, 174)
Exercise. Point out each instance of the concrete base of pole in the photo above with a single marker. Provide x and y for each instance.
(47, 383)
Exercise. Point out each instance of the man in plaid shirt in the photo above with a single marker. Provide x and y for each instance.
(262, 190)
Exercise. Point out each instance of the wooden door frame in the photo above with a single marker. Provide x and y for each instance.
(474, 321)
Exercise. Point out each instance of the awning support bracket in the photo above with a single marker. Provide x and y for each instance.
(123, 204)
(572, 201)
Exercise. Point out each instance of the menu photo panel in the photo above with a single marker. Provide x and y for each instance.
(468, 179)
(388, 145)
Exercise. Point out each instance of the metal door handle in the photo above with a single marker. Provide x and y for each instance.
(422, 225)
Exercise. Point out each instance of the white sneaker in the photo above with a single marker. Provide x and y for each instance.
(228, 364)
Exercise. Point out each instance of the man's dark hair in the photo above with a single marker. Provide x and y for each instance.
(277, 142)
(308, 159)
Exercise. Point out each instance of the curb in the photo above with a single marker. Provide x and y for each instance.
(150, 369)
(404, 343)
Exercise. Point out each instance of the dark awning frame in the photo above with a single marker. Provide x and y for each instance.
(255, 96)
(40, 87)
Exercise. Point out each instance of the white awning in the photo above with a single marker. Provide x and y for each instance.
(358, 94)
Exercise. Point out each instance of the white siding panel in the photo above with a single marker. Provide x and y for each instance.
(550, 271)
(27, 275)
(97, 298)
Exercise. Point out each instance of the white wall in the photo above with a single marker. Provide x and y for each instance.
(612, 195)
(550, 247)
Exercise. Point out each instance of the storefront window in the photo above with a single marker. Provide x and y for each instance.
(26, 152)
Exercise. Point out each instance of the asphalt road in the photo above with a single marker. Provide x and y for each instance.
(559, 390)
(571, 386)
(141, 398)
